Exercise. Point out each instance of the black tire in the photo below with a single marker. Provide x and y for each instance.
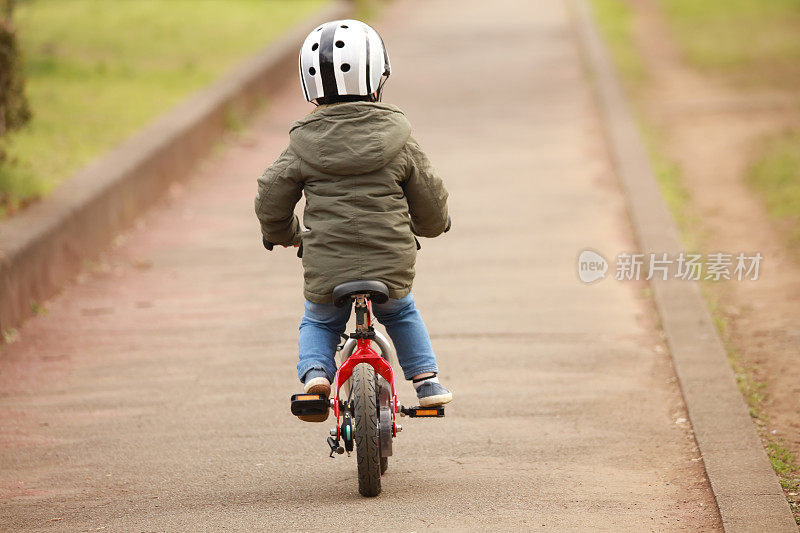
(367, 436)
(384, 465)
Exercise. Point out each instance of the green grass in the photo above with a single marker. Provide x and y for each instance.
(751, 389)
(755, 41)
(776, 177)
(785, 464)
(674, 193)
(98, 70)
(783, 460)
(615, 20)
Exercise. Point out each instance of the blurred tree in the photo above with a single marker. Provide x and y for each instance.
(14, 110)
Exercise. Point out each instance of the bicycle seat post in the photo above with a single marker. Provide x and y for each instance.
(363, 325)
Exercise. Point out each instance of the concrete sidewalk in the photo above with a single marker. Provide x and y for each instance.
(154, 393)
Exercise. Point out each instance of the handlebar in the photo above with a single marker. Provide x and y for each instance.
(270, 245)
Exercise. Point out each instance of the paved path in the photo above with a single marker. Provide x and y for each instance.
(153, 395)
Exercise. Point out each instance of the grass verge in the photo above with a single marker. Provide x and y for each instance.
(755, 42)
(776, 174)
(96, 71)
(710, 35)
(615, 20)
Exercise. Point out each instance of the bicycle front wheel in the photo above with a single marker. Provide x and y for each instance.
(367, 433)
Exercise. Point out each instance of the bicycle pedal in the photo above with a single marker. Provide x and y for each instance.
(310, 407)
(423, 412)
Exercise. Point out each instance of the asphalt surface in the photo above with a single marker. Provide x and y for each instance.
(152, 395)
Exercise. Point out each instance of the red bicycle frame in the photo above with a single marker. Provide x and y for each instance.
(364, 354)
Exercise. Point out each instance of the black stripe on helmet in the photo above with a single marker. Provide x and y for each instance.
(303, 76)
(369, 77)
(326, 68)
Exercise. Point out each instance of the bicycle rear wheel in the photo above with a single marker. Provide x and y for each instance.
(367, 434)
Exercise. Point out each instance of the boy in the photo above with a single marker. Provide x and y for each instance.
(369, 189)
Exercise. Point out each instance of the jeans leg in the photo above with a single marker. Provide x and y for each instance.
(404, 325)
(320, 331)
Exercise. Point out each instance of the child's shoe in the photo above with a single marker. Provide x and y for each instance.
(316, 382)
(431, 393)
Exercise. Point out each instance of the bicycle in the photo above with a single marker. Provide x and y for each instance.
(368, 415)
(369, 412)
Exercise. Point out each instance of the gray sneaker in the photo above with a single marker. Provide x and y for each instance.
(431, 394)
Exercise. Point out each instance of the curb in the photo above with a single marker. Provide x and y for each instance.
(44, 247)
(748, 495)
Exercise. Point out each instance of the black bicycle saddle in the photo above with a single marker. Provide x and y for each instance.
(377, 290)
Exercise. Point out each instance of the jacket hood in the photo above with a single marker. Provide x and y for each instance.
(350, 138)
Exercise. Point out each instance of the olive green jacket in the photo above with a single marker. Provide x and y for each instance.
(369, 188)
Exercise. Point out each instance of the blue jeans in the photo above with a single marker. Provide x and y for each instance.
(322, 325)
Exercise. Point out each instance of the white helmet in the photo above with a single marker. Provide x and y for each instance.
(343, 57)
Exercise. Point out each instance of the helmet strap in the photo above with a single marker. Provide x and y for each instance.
(379, 92)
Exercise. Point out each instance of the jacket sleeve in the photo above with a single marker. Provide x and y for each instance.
(279, 189)
(425, 193)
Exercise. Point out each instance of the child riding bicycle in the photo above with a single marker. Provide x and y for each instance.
(369, 190)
